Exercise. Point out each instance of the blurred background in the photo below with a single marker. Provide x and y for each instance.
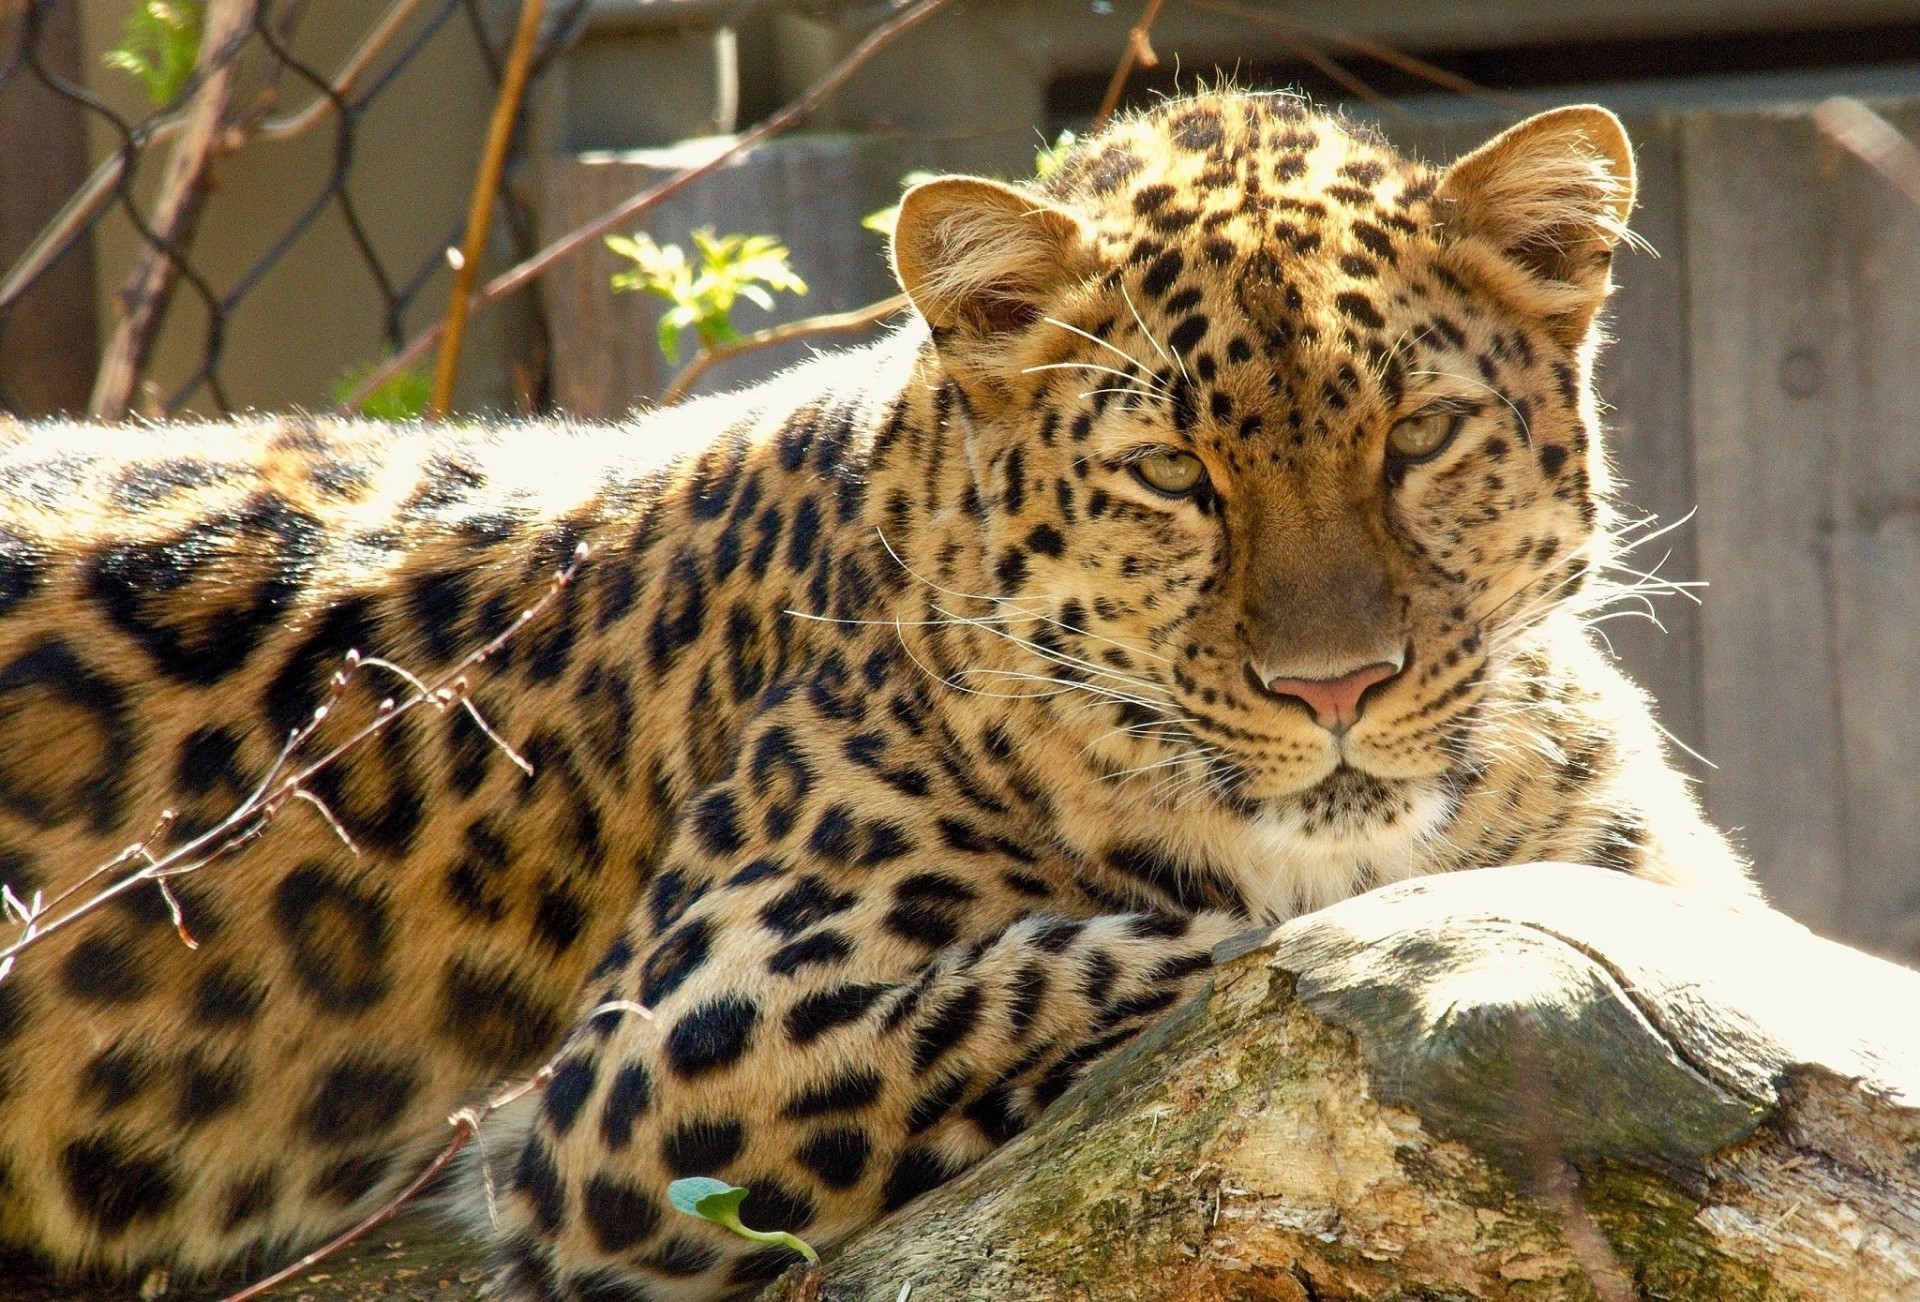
(211, 206)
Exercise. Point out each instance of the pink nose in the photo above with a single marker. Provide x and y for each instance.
(1335, 702)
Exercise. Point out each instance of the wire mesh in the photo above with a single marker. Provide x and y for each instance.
(266, 71)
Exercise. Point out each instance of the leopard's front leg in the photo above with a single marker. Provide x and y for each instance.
(844, 1015)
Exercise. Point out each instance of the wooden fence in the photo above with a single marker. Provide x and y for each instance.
(1766, 372)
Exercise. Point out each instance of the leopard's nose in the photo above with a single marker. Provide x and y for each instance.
(1335, 702)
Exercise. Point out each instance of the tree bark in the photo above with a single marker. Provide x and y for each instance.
(1541, 1082)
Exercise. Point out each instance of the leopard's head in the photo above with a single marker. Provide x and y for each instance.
(1280, 440)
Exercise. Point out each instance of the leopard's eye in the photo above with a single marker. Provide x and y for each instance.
(1418, 437)
(1176, 474)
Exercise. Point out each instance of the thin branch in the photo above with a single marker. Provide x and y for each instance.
(1407, 63)
(143, 299)
(250, 819)
(573, 241)
(332, 820)
(1352, 82)
(298, 123)
(1139, 52)
(834, 323)
(1362, 46)
(1873, 140)
(466, 1124)
(480, 721)
(1288, 35)
(493, 158)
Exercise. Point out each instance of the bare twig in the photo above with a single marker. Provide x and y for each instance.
(1873, 140)
(1353, 83)
(1406, 63)
(1139, 53)
(466, 1124)
(493, 158)
(143, 300)
(250, 819)
(101, 187)
(1360, 45)
(298, 123)
(573, 241)
(834, 323)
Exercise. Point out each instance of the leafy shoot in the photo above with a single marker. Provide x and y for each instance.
(1046, 161)
(703, 294)
(719, 1202)
(160, 45)
(402, 396)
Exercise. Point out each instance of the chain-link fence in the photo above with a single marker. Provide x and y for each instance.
(115, 165)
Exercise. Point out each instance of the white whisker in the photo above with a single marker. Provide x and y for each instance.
(1095, 366)
(1096, 339)
(1138, 320)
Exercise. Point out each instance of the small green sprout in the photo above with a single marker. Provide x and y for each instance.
(1049, 158)
(883, 220)
(159, 44)
(731, 267)
(1046, 162)
(719, 1202)
(402, 396)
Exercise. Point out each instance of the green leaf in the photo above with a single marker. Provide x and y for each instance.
(402, 396)
(885, 219)
(670, 331)
(708, 1198)
(719, 1202)
(160, 45)
(1051, 157)
(729, 268)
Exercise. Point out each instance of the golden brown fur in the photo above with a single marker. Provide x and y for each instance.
(900, 745)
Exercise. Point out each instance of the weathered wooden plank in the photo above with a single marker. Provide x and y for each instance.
(1875, 557)
(1643, 377)
(1876, 573)
(1771, 375)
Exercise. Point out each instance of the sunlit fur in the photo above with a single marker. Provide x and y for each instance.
(897, 747)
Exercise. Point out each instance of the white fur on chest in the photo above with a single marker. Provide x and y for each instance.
(1284, 861)
(1285, 867)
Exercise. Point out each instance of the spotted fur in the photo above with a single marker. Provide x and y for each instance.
(899, 746)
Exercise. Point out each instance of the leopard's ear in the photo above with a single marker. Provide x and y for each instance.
(980, 257)
(1552, 195)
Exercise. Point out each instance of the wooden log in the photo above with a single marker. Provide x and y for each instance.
(1535, 1082)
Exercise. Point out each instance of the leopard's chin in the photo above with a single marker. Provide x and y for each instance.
(1346, 782)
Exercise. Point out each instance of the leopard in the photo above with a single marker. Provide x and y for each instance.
(1218, 539)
